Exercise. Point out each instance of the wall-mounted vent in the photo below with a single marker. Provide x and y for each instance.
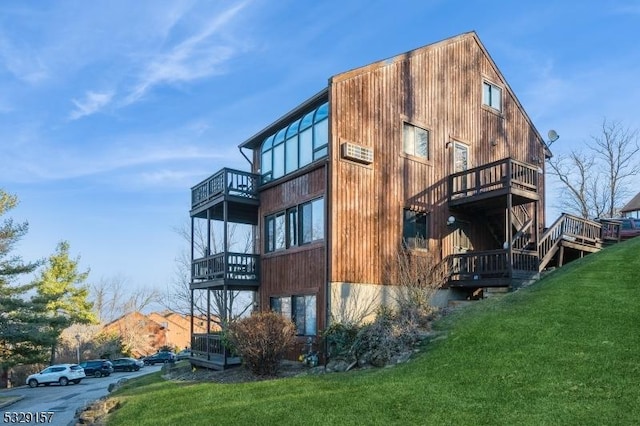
(361, 154)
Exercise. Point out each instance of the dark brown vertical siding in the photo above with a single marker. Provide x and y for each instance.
(296, 271)
(438, 87)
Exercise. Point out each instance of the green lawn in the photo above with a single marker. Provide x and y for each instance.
(564, 351)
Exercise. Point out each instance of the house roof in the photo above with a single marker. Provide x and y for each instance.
(633, 205)
(256, 140)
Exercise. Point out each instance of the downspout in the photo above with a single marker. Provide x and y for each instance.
(245, 156)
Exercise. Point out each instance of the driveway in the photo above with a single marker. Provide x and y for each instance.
(63, 401)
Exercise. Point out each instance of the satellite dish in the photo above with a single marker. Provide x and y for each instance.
(553, 136)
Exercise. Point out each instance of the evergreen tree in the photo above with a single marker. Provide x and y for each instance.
(19, 335)
(62, 296)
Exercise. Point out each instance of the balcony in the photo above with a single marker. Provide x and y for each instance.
(240, 191)
(235, 271)
(209, 351)
(492, 268)
(487, 186)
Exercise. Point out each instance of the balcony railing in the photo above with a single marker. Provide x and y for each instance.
(226, 266)
(204, 344)
(499, 175)
(482, 265)
(225, 182)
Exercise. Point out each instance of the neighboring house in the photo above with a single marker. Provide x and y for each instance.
(632, 208)
(145, 334)
(430, 149)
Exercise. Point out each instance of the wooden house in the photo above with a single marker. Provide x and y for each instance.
(430, 149)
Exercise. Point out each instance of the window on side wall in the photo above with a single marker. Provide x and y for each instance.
(301, 224)
(301, 310)
(491, 95)
(415, 141)
(415, 229)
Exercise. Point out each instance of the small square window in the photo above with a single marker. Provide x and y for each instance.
(492, 96)
(415, 141)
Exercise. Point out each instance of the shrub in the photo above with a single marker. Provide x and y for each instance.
(340, 338)
(376, 343)
(262, 341)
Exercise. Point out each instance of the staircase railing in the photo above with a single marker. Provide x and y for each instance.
(567, 228)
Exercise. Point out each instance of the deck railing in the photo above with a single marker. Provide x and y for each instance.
(225, 182)
(230, 266)
(569, 228)
(204, 344)
(491, 264)
(611, 230)
(507, 173)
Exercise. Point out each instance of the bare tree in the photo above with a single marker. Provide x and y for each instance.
(178, 296)
(112, 298)
(595, 180)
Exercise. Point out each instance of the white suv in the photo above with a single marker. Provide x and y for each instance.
(59, 373)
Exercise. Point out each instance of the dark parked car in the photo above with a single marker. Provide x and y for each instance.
(160, 358)
(627, 226)
(183, 354)
(630, 228)
(97, 367)
(125, 364)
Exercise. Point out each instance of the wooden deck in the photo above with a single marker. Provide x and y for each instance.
(567, 238)
(208, 350)
(236, 271)
(230, 193)
(487, 186)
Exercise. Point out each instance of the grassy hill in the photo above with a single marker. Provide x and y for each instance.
(563, 351)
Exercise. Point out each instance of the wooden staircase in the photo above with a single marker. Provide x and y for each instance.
(568, 232)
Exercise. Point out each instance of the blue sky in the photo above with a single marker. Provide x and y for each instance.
(111, 110)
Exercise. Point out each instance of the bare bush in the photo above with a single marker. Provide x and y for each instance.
(262, 340)
(420, 274)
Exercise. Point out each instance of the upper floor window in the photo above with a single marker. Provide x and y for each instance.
(491, 95)
(415, 229)
(415, 141)
(300, 143)
(297, 225)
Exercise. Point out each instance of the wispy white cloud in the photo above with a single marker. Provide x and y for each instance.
(22, 62)
(200, 55)
(92, 103)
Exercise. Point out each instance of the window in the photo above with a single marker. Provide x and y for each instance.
(297, 225)
(415, 141)
(415, 229)
(292, 227)
(312, 221)
(275, 232)
(299, 309)
(293, 147)
(492, 96)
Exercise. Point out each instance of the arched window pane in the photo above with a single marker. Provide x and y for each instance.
(307, 121)
(280, 136)
(293, 129)
(268, 143)
(322, 112)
